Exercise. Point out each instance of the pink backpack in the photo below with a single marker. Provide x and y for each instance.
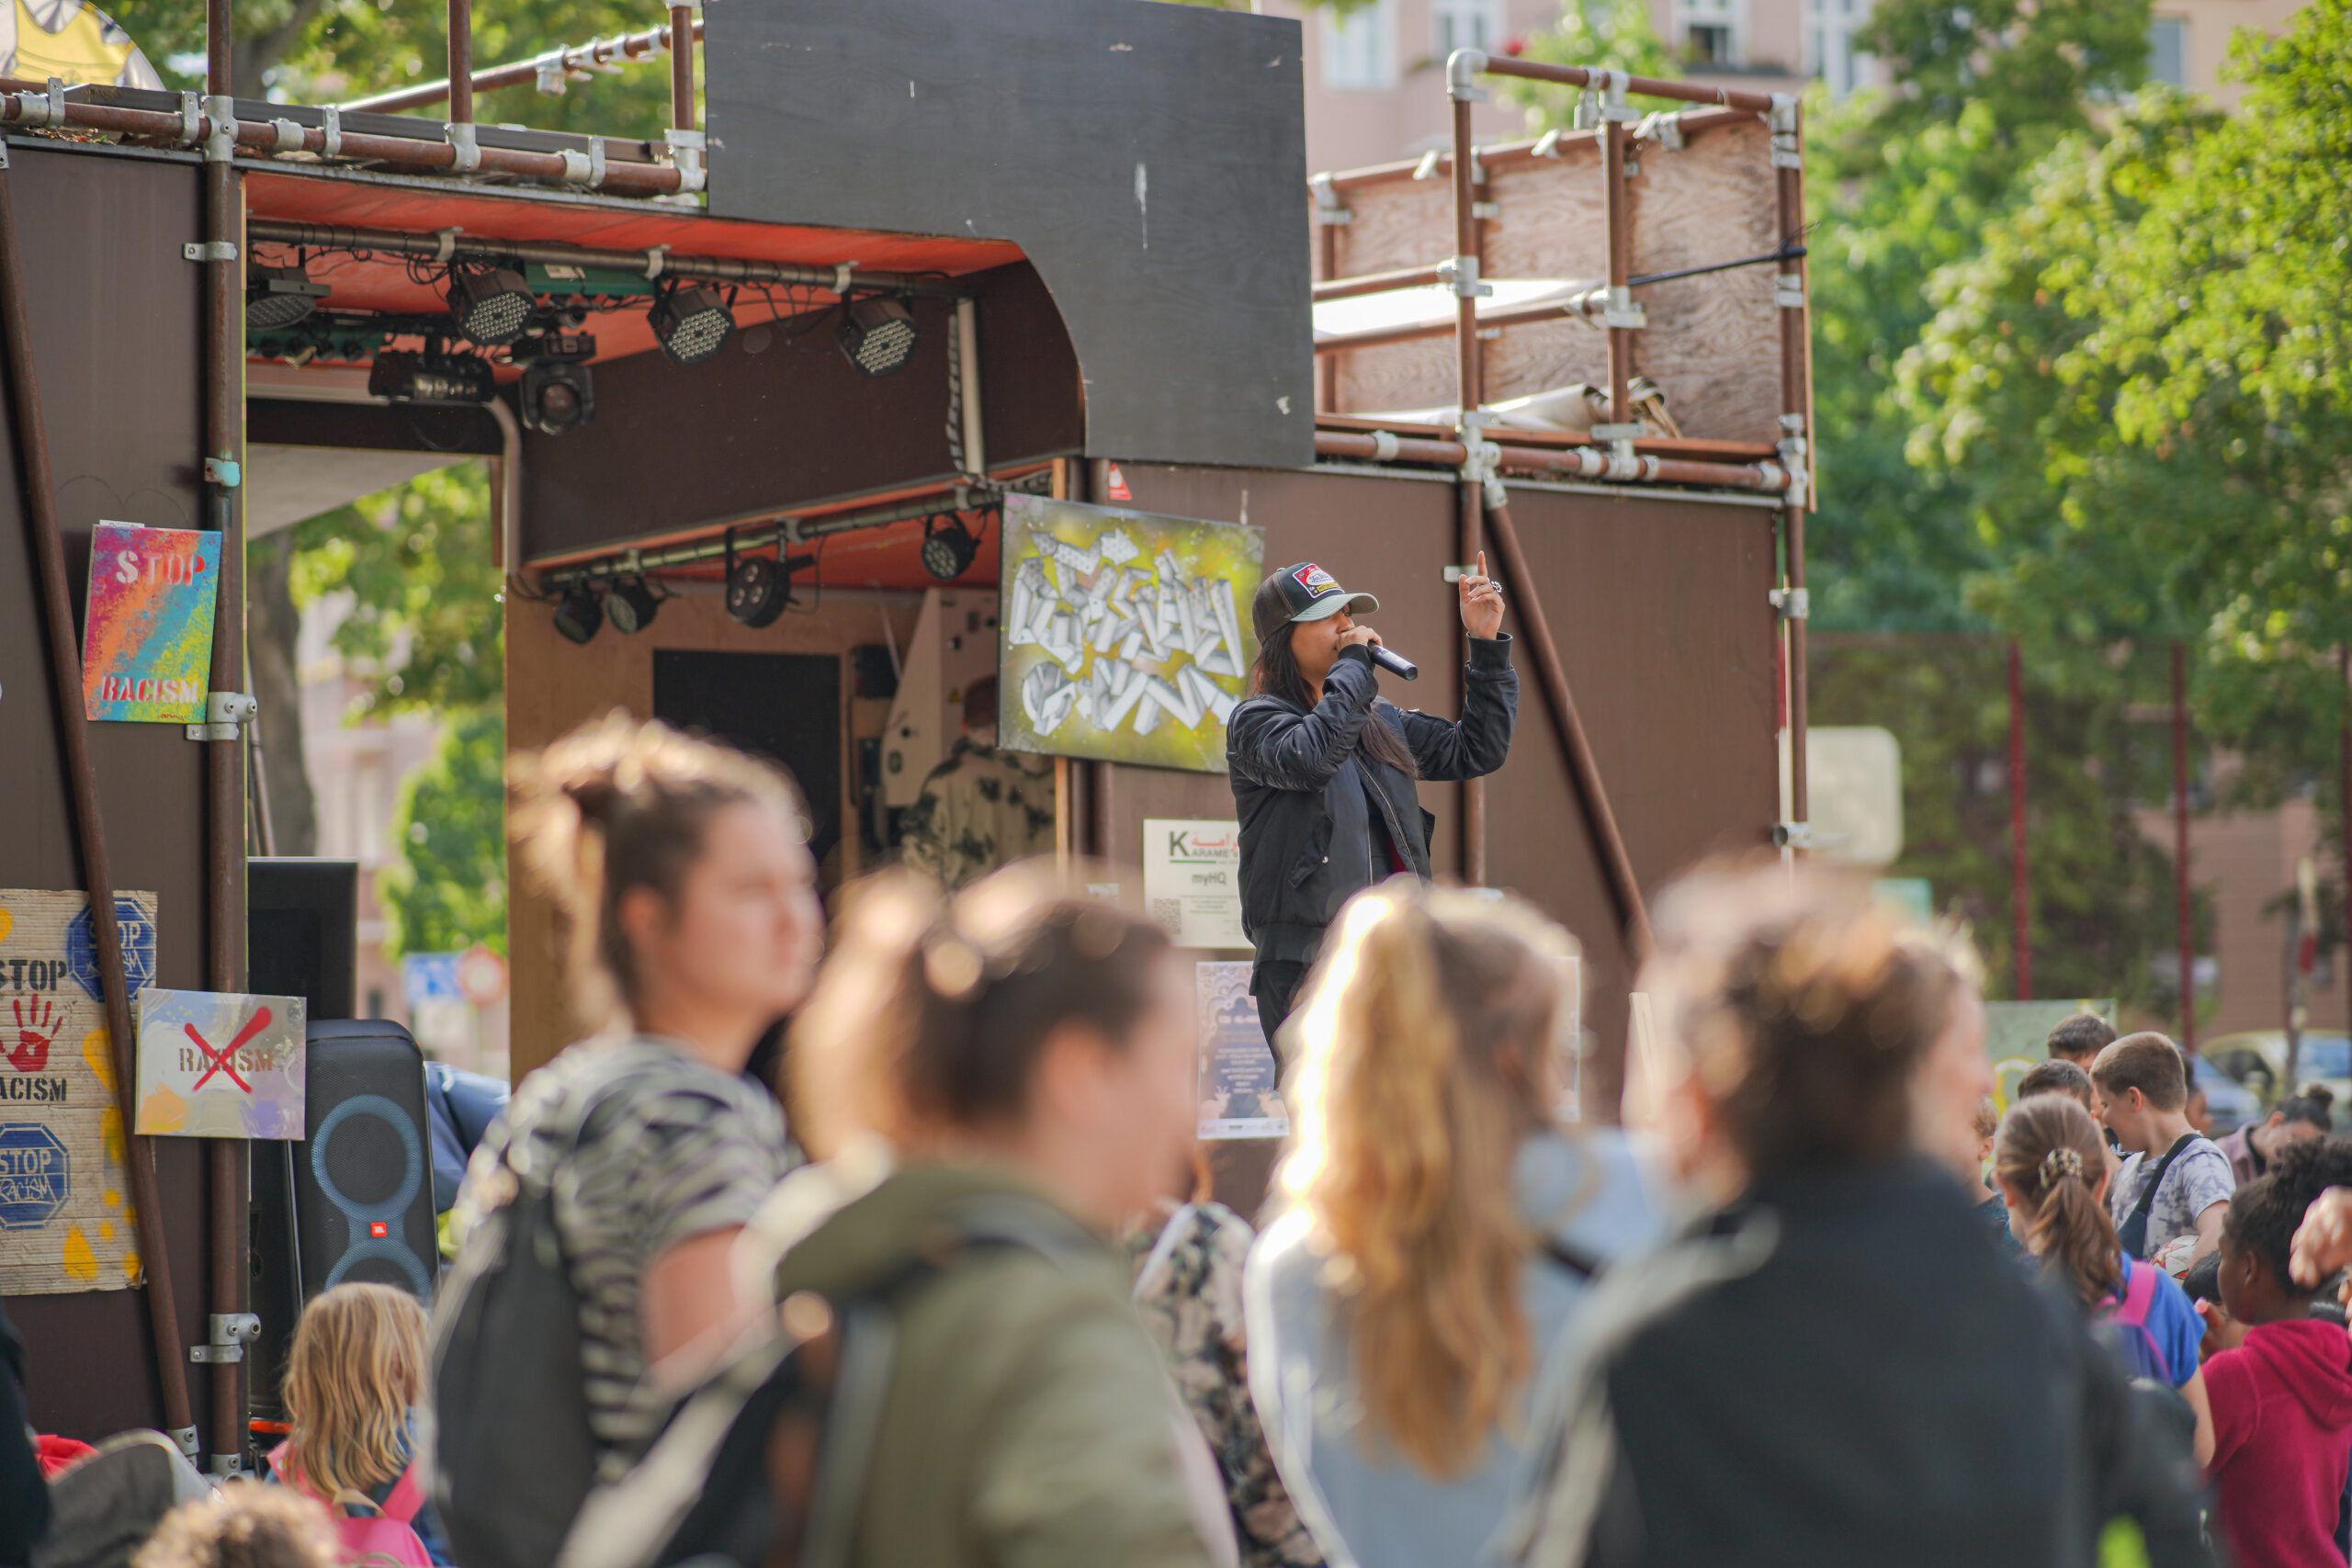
(384, 1536)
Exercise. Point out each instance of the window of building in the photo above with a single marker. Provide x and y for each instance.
(1712, 32)
(1830, 52)
(1466, 24)
(2168, 49)
(1360, 48)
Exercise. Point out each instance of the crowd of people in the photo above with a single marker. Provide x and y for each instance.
(953, 1291)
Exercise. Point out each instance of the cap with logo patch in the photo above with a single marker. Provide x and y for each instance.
(1310, 593)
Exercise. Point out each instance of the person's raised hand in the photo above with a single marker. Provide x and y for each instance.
(1482, 602)
(2323, 1241)
(1360, 637)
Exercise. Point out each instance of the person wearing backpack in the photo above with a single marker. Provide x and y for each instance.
(2173, 1181)
(1440, 1228)
(996, 1085)
(355, 1376)
(594, 1281)
(2046, 1162)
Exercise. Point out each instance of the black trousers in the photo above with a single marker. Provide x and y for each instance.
(1276, 984)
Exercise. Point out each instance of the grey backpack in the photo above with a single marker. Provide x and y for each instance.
(513, 1458)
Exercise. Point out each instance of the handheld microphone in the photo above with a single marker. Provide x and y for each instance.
(1397, 664)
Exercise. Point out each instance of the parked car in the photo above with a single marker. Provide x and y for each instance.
(2258, 1058)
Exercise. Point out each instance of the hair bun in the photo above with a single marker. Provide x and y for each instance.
(2059, 1164)
(2319, 1094)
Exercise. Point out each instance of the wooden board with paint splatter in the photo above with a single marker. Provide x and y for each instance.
(65, 1219)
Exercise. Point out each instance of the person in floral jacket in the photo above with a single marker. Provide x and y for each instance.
(1188, 1289)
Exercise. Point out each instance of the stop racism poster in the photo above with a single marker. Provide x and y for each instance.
(66, 1217)
(147, 642)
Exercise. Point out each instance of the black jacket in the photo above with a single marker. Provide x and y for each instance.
(1298, 783)
(1843, 1369)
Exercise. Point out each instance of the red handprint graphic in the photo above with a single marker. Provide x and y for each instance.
(36, 1027)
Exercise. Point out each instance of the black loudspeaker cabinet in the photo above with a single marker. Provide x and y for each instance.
(351, 1204)
(302, 932)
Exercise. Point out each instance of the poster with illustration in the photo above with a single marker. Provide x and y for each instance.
(1124, 636)
(65, 1215)
(220, 1065)
(1238, 1090)
(147, 641)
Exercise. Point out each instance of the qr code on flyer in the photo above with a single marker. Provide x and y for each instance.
(1170, 913)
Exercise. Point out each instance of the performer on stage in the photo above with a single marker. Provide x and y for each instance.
(1323, 769)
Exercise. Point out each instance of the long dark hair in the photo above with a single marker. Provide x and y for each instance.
(1276, 675)
(2048, 1149)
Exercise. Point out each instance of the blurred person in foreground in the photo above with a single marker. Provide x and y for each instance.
(1832, 1363)
(2282, 1400)
(1017, 1060)
(2174, 1183)
(2252, 1147)
(1441, 1227)
(2047, 1161)
(246, 1525)
(1188, 1259)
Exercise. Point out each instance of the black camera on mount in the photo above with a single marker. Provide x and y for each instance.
(558, 393)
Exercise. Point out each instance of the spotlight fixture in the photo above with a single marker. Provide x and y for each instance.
(691, 322)
(759, 588)
(558, 393)
(947, 547)
(631, 605)
(878, 333)
(277, 296)
(490, 305)
(434, 377)
(579, 614)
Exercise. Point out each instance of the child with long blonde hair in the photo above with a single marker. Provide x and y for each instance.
(355, 1377)
(1440, 1226)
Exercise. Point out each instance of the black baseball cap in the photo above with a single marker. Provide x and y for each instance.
(1310, 593)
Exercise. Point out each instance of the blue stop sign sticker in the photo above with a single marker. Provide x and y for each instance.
(138, 948)
(35, 1176)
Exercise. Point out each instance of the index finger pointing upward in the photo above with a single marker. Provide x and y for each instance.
(1482, 563)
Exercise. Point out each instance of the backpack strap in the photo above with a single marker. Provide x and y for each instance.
(2164, 1168)
(1583, 1265)
(406, 1499)
(2131, 1310)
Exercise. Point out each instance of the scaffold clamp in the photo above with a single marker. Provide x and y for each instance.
(225, 713)
(1461, 275)
(1792, 835)
(1794, 604)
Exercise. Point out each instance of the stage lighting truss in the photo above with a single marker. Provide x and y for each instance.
(278, 297)
(558, 393)
(691, 322)
(878, 333)
(489, 304)
(948, 548)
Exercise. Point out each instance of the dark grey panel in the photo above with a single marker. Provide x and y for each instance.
(1148, 158)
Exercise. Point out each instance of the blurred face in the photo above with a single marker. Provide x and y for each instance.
(744, 932)
(2273, 1136)
(1315, 645)
(2126, 1115)
(2237, 1280)
(1954, 1078)
(1118, 1121)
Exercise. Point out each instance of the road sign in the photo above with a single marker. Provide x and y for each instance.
(482, 976)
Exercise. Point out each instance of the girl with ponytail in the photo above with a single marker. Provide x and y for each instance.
(1441, 1227)
(2047, 1160)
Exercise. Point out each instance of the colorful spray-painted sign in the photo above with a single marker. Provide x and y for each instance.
(66, 1217)
(147, 644)
(220, 1065)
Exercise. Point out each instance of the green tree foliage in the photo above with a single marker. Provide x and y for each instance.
(1613, 33)
(424, 621)
(2034, 63)
(447, 891)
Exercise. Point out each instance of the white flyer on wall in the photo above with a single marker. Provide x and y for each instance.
(1191, 880)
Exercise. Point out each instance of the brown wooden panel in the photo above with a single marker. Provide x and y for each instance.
(115, 322)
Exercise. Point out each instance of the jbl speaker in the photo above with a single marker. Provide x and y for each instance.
(351, 1203)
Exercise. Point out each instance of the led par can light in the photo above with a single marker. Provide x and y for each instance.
(278, 297)
(947, 548)
(579, 614)
(878, 333)
(690, 324)
(631, 605)
(489, 304)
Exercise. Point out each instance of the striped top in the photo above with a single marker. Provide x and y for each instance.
(678, 1149)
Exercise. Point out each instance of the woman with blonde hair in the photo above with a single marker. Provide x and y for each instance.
(1441, 1227)
(355, 1376)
